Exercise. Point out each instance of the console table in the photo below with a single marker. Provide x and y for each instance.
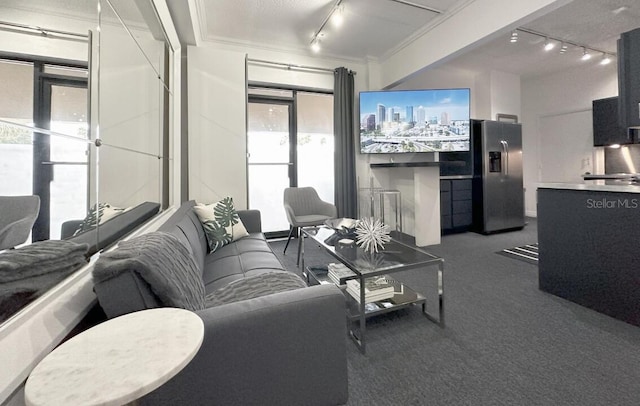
(118, 361)
(426, 197)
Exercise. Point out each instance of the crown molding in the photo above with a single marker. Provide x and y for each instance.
(298, 51)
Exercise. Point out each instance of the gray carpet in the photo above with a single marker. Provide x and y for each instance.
(505, 342)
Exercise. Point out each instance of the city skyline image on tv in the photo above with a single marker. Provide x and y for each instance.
(405, 121)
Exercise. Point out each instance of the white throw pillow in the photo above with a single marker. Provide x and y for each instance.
(221, 223)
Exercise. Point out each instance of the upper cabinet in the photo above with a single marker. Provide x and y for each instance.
(629, 78)
(606, 127)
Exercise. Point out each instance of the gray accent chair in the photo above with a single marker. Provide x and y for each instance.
(304, 208)
(17, 215)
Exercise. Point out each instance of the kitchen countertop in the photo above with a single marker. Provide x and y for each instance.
(403, 164)
(621, 186)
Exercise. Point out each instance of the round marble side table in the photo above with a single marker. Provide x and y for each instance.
(118, 361)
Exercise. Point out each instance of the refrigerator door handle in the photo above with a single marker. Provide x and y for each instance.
(505, 149)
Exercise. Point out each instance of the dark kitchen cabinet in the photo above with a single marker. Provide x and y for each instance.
(607, 129)
(629, 78)
(455, 205)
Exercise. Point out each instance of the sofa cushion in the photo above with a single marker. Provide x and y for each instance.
(189, 234)
(246, 257)
(255, 286)
(221, 223)
(163, 262)
(185, 225)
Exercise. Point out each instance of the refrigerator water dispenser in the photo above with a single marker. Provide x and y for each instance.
(495, 161)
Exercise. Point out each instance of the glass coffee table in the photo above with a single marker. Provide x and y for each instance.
(366, 270)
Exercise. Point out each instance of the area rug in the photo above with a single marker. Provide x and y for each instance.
(527, 253)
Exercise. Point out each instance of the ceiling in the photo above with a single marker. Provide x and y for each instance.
(593, 23)
(370, 29)
(375, 28)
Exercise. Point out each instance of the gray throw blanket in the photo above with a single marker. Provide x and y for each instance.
(255, 286)
(40, 258)
(163, 262)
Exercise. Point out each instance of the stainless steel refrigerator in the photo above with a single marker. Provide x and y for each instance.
(498, 193)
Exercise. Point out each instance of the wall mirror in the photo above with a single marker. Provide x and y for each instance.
(84, 107)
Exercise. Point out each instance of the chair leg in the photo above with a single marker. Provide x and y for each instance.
(289, 238)
(300, 237)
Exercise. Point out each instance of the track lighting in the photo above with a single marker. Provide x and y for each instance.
(550, 43)
(563, 48)
(335, 15)
(315, 45)
(548, 46)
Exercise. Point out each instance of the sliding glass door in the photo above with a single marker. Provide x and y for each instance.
(65, 104)
(271, 160)
(53, 165)
(290, 143)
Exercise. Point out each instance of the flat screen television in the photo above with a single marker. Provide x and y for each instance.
(409, 121)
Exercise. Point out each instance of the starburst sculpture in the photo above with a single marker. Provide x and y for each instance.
(372, 234)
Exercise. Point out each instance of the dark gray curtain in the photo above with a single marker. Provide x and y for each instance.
(344, 162)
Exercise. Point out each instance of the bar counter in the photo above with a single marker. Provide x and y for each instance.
(589, 244)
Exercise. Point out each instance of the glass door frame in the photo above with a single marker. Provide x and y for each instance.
(293, 126)
(42, 165)
(292, 171)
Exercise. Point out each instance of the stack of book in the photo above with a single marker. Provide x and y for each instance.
(338, 273)
(375, 289)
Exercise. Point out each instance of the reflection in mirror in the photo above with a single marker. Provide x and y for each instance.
(132, 62)
(47, 147)
(130, 178)
(27, 271)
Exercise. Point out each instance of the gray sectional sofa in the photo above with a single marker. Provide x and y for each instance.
(269, 339)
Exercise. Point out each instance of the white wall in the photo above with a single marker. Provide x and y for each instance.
(217, 138)
(557, 126)
(505, 94)
(217, 112)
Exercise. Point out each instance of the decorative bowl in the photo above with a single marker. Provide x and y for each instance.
(343, 226)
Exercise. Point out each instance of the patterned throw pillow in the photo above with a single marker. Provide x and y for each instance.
(221, 223)
(98, 215)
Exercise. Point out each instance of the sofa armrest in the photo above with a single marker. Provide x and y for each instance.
(252, 220)
(68, 228)
(286, 348)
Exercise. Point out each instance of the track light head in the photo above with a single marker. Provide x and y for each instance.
(315, 45)
(563, 48)
(605, 60)
(585, 54)
(548, 46)
(337, 17)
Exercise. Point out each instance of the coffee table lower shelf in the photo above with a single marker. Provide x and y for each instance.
(317, 276)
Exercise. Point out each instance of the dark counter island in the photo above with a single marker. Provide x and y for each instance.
(589, 244)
